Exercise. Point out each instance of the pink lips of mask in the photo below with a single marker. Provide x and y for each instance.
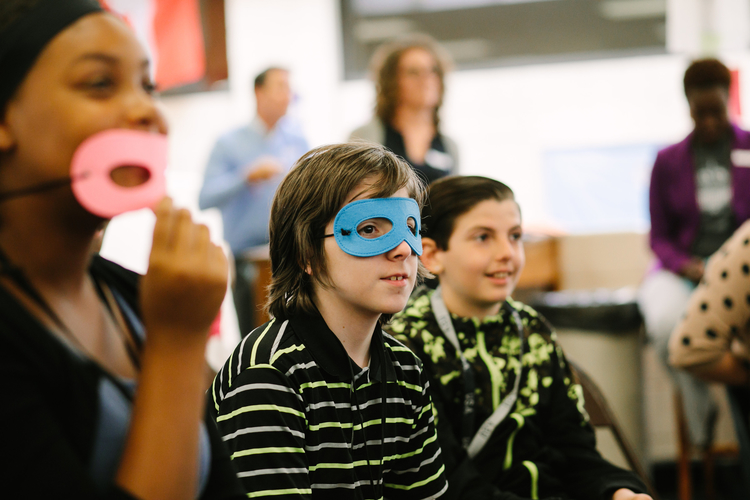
(100, 154)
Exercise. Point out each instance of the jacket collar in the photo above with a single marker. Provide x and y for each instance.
(329, 353)
(735, 132)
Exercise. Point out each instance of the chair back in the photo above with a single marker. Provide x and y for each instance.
(601, 416)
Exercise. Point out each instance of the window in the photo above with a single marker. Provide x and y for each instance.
(485, 33)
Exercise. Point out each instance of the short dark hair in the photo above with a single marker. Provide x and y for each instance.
(450, 197)
(704, 74)
(308, 198)
(10, 12)
(260, 80)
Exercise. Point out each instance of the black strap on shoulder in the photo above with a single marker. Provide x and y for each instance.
(473, 441)
(20, 279)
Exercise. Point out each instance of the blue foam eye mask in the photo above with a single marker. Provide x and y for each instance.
(396, 210)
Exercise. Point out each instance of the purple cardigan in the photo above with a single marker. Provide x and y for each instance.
(675, 216)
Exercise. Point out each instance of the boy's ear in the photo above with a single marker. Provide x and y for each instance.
(431, 256)
(6, 138)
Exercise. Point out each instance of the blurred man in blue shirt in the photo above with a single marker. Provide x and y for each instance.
(245, 168)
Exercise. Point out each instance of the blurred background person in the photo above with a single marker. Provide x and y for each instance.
(410, 83)
(711, 341)
(105, 367)
(698, 196)
(245, 168)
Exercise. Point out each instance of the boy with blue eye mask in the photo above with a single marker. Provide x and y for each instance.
(510, 414)
(300, 402)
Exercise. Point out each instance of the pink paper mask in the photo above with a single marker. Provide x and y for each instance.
(100, 154)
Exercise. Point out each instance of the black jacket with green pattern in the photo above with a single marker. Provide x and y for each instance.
(545, 447)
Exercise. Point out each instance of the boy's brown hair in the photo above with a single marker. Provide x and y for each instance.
(450, 197)
(310, 196)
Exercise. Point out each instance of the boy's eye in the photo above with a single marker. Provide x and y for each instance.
(482, 237)
(516, 236)
(374, 228)
(412, 225)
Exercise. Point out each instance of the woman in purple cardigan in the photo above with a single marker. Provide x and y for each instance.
(699, 195)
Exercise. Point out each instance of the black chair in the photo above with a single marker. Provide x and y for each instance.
(600, 415)
(739, 405)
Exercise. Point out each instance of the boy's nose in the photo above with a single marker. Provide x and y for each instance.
(503, 250)
(402, 250)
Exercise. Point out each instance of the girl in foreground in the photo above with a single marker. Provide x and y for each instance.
(511, 422)
(73, 326)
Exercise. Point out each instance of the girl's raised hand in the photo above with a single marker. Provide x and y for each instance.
(186, 279)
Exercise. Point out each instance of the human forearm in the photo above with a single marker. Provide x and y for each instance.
(165, 424)
(669, 254)
(180, 296)
(218, 188)
(663, 234)
(728, 369)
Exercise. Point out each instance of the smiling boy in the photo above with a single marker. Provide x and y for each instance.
(300, 402)
(510, 414)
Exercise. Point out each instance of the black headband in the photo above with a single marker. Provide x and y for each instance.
(23, 41)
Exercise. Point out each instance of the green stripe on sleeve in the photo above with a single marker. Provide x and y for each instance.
(213, 392)
(245, 409)
(418, 451)
(418, 483)
(413, 387)
(263, 451)
(281, 352)
(258, 340)
(274, 493)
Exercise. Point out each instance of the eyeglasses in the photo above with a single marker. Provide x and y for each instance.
(415, 72)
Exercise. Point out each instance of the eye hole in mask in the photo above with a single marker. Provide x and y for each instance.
(375, 228)
(412, 225)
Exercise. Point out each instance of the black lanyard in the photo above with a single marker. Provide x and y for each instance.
(18, 277)
(471, 441)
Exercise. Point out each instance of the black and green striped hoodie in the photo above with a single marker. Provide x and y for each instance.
(545, 446)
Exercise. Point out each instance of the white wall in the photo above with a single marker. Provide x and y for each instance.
(504, 119)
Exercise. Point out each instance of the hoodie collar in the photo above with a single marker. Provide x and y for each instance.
(329, 353)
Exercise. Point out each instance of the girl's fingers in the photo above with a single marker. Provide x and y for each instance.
(184, 231)
(164, 223)
(202, 239)
(218, 262)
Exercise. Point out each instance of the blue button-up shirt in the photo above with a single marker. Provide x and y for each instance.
(245, 208)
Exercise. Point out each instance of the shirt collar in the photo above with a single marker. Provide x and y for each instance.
(329, 353)
(259, 126)
(499, 317)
